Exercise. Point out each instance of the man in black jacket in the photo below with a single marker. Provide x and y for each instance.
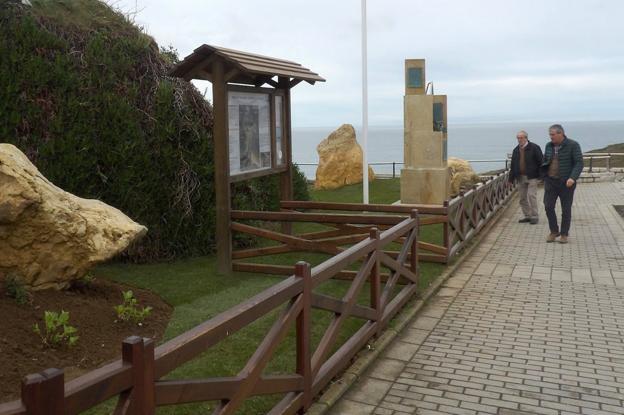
(525, 168)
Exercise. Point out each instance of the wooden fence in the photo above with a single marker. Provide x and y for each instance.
(471, 210)
(340, 230)
(460, 219)
(137, 379)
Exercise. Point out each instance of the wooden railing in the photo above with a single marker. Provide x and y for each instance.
(459, 219)
(341, 230)
(137, 379)
(471, 210)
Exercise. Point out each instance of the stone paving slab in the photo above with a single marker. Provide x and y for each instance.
(596, 234)
(522, 327)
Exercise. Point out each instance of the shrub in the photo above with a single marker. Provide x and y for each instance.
(130, 311)
(57, 330)
(86, 95)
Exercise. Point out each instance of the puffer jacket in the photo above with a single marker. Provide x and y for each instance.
(570, 159)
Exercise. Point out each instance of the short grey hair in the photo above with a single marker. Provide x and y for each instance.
(557, 127)
(524, 133)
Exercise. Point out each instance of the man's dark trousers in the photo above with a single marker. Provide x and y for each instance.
(553, 189)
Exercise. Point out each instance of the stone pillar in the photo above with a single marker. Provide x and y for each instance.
(425, 178)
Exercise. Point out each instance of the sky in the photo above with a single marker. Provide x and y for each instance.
(505, 60)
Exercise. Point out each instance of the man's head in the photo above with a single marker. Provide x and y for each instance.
(557, 133)
(522, 137)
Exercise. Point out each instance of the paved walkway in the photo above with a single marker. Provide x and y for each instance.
(522, 327)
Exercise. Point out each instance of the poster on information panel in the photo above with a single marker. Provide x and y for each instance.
(249, 131)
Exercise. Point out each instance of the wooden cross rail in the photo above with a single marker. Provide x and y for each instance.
(136, 378)
(360, 207)
(317, 217)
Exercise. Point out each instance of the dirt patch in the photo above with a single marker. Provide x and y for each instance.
(91, 312)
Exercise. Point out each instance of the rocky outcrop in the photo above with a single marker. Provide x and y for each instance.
(462, 175)
(49, 237)
(340, 160)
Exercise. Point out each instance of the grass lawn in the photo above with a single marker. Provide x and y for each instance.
(197, 293)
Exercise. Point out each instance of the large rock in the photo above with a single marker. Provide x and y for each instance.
(340, 160)
(462, 175)
(49, 237)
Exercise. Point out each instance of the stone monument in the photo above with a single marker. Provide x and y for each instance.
(425, 178)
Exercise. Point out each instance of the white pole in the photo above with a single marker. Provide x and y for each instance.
(364, 108)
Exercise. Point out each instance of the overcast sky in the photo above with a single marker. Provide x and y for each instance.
(505, 60)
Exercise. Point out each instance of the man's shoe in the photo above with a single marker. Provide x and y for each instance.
(524, 220)
(534, 221)
(563, 239)
(551, 237)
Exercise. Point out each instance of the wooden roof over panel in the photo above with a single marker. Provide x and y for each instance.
(241, 67)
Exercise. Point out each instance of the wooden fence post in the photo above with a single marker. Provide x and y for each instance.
(44, 393)
(414, 247)
(474, 215)
(445, 230)
(139, 352)
(304, 337)
(221, 168)
(375, 278)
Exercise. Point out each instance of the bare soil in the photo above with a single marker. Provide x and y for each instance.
(91, 311)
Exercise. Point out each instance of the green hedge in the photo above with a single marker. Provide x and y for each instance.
(84, 93)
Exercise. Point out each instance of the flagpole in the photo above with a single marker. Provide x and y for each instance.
(364, 108)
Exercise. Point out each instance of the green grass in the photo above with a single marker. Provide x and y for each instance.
(380, 191)
(197, 293)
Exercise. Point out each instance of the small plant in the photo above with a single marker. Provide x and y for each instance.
(57, 330)
(130, 310)
(15, 289)
(88, 279)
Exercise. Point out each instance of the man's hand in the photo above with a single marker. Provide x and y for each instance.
(570, 182)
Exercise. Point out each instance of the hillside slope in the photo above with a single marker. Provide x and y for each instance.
(86, 95)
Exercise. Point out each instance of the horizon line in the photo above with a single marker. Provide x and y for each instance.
(400, 125)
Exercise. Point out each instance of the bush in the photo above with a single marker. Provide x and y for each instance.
(130, 311)
(86, 96)
(57, 330)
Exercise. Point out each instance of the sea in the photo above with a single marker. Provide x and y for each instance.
(471, 141)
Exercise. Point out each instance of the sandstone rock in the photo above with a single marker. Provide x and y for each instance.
(340, 160)
(462, 175)
(49, 237)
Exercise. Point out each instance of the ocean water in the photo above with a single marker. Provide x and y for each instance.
(483, 141)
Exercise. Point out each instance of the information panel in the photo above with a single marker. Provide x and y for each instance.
(249, 131)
